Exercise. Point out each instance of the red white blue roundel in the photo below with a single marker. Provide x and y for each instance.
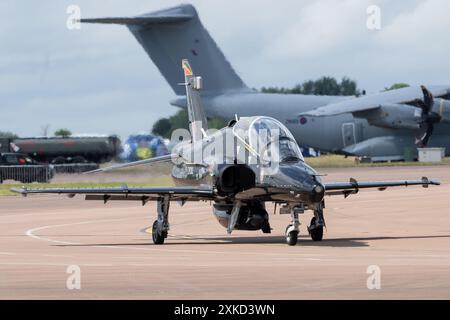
(303, 120)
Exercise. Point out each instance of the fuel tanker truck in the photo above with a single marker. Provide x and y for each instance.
(70, 150)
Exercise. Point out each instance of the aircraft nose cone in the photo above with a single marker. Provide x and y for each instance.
(300, 179)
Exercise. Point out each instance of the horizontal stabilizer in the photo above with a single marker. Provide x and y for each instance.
(140, 21)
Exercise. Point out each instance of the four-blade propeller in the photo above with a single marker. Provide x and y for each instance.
(428, 118)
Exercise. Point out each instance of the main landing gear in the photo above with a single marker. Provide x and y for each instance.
(315, 228)
(161, 225)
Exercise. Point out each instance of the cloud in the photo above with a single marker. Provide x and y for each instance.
(99, 79)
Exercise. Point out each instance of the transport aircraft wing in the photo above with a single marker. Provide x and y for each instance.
(374, 101)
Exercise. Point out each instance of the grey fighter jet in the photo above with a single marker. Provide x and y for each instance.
(264, 164)
(383, 126)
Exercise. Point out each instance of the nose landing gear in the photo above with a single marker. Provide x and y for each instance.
(292, 230)
(315, 228)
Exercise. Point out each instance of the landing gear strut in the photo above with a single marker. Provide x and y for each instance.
(292, 230)
(315, 228)
(161, 225)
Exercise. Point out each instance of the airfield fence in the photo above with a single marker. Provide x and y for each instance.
(75, 167)
(27, 174)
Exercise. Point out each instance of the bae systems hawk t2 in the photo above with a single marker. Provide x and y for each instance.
(264, 164)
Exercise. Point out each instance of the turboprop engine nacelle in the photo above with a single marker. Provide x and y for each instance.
(396, 116)
(442, 108)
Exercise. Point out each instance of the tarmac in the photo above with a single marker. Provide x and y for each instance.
(401, 234)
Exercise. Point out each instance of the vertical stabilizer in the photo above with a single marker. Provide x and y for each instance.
(176, 33)
(197, 119)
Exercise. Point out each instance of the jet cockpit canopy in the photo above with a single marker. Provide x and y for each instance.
(267, 139)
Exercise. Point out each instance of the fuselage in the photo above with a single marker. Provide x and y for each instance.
(343, 134)
(235, 163)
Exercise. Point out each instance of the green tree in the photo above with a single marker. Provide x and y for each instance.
(162, 127)
(180, 120)
(348, 87)
(64, 133)
(322, 86)
(397, 86)
(8, 135)
(216, 123)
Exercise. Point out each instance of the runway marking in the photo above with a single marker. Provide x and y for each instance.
(30, 233)
(56, 256)
(320, 259)
(8, 253)
(53, 264)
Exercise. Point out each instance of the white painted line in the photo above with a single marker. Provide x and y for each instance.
(8, 253)
(52, 264)
(31, 233)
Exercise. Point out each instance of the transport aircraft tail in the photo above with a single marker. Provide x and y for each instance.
(171, 35)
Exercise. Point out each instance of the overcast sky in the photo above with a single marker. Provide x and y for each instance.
(99, 80)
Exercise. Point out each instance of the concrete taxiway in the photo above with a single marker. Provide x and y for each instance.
(403, 231)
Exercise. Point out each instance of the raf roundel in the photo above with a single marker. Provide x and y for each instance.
(303, 120)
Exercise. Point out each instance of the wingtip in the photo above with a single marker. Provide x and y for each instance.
(22, 191)
(426, 182)
(93, 171)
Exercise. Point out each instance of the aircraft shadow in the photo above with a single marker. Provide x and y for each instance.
(304, 241)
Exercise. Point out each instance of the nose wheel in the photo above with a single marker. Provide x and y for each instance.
(291, 235)
(292, 230)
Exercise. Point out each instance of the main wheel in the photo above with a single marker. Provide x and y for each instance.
(291, 237)
(158, 238)
(315, 232)
(266, 227)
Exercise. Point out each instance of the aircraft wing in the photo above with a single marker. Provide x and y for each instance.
(154, 160)
(353, 186)
(374, 101)
(143, 194)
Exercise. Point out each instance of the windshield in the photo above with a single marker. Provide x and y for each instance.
(268, 139)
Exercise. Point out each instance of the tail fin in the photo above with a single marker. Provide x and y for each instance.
(197, 118)
(170, 35)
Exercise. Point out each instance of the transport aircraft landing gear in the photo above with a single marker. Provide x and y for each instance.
(161, 225)
(292, 230)
(315, 228)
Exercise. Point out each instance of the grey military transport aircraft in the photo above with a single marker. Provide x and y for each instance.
(265, 164)
(382, 126)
